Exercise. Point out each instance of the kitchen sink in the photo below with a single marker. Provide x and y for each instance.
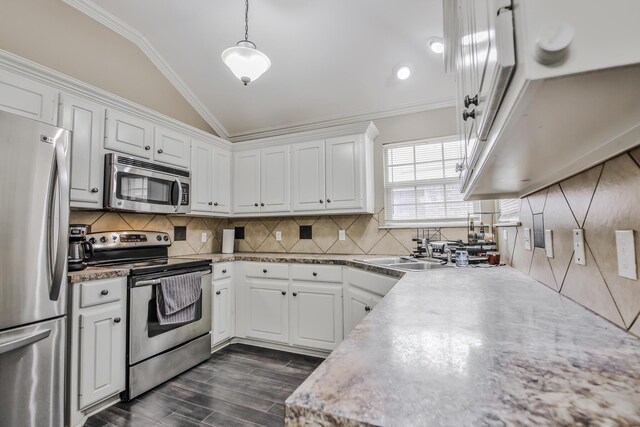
(405, 263)
(389, 261)
(419, 266)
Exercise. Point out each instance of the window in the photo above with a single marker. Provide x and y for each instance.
(422, 186)
(509, 210)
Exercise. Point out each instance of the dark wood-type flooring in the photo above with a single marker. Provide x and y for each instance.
(239, 385)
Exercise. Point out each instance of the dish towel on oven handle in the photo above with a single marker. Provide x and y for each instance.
(176, 298)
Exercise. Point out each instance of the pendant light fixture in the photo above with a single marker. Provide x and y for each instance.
(245, 61)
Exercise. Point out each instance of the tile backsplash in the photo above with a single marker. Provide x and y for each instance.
(600, 200)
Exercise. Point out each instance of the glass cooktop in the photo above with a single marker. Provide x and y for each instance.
(152, 265)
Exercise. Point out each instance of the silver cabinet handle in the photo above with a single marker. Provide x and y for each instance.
(63, 223)
(6, 347)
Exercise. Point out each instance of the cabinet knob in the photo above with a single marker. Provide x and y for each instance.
(261, 204)
(367, 308)
(215, 204)
(117, 320)
(255, 204)
(217, 292)
(328, 200)
(314, 273)
(284, 292)
(224, 271)
(104, 292)
(160, 151)
(264, 270)
(147, 147)
(321, 201)
(295, 294)
(468, 114)
(468, 101)
(94, 190)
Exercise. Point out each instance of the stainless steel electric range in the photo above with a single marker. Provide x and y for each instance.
(155, 353)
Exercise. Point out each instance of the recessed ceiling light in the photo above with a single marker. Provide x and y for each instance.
(403, 72)
(436, 44)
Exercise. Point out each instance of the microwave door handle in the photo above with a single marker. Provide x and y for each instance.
(63, 222)
(179, 184)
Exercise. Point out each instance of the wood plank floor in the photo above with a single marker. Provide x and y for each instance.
(239, 385)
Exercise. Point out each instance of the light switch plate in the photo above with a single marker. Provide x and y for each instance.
(342, 235)
(548, 243)
(527, 239)
(505, 235)
(626, 250)
(203, 237)
(578, 246)
(278, 235)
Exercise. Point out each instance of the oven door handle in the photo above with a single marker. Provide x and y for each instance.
(179, 201)
(147, 282)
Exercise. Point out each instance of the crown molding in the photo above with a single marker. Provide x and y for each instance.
(66, 84)
(105, 18)
(339, 120)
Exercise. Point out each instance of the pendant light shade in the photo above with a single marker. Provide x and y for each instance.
(245, 61)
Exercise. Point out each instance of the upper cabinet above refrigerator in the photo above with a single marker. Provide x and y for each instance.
(541, 82)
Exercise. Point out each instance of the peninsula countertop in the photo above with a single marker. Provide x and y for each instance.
(470, 347)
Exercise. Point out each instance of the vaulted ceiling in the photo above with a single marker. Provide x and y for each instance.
(332, 60)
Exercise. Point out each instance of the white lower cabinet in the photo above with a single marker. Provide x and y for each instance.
(97, 358)
(316, 315)
(267, 309)
(357, 304)
(223, 304)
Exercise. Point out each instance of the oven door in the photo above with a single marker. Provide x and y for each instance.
(147, 338)
(143, 190)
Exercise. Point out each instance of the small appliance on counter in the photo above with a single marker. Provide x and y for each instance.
(80, 250)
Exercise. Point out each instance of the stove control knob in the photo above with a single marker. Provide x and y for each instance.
(165, 238)
(92, 240)
(103, 239)
(158, 238)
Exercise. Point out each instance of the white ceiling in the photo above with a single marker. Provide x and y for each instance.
(332, 60)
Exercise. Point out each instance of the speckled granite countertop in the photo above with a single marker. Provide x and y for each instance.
(96, 273)
(475, 347)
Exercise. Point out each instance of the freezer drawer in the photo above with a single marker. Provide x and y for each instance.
(32, 360)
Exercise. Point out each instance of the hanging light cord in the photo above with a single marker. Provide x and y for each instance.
(246, 20)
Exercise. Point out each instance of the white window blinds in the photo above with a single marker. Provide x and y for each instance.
(421, 184)
(509, 210)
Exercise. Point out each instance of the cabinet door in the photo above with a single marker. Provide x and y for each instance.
(358, 303)
(316, 315)
(202, 171)
(223, 311)
(221, 180)
(275, 179)
(171, 147)
(86, 121)
(24, 97)
(344, 172)
(246, 181)
(307, 182)
(102, 353)
(127, 134)
(267, 310)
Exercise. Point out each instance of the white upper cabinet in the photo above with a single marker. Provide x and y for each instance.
(202, 171)
(86, 121)
(308, 176)
(246, 181)
(344, 177)
(221, 180)
(171, 147)
(127, 134)
(27, 98)
(275, 179)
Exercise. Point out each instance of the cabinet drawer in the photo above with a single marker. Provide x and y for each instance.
(267, 270)
(316, 273)
(222, 271)
(99, 292)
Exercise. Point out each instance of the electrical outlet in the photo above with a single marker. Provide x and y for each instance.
(626, 249)
(278, 235)
(342, 235)
(578, 246)
(203, 238)
(527, 238)
(548, 243)
(505, 235)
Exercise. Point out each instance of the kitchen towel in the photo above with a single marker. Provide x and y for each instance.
(228, 238)
(176, 298)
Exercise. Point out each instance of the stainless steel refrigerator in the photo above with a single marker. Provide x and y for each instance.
(34, 221)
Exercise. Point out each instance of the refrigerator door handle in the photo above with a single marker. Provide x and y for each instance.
(62, 248)
(6, 347)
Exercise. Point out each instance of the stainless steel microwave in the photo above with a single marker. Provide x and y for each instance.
(138, 186)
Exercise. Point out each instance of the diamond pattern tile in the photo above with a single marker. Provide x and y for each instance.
(290, 233)
(270, 244)
(559, 218)
(578, 191)
(110, 221)
(137, 221)
(344, 221)
(521, 256)
(346, 246)
(325, 233)
(541, 269)
(635, 153)
(255, 233)
(365, 233)
(538, 200)
(84, 217)
(388, 245)
(616, 206)
(506, 247)
(195, 228)
(635, 328)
